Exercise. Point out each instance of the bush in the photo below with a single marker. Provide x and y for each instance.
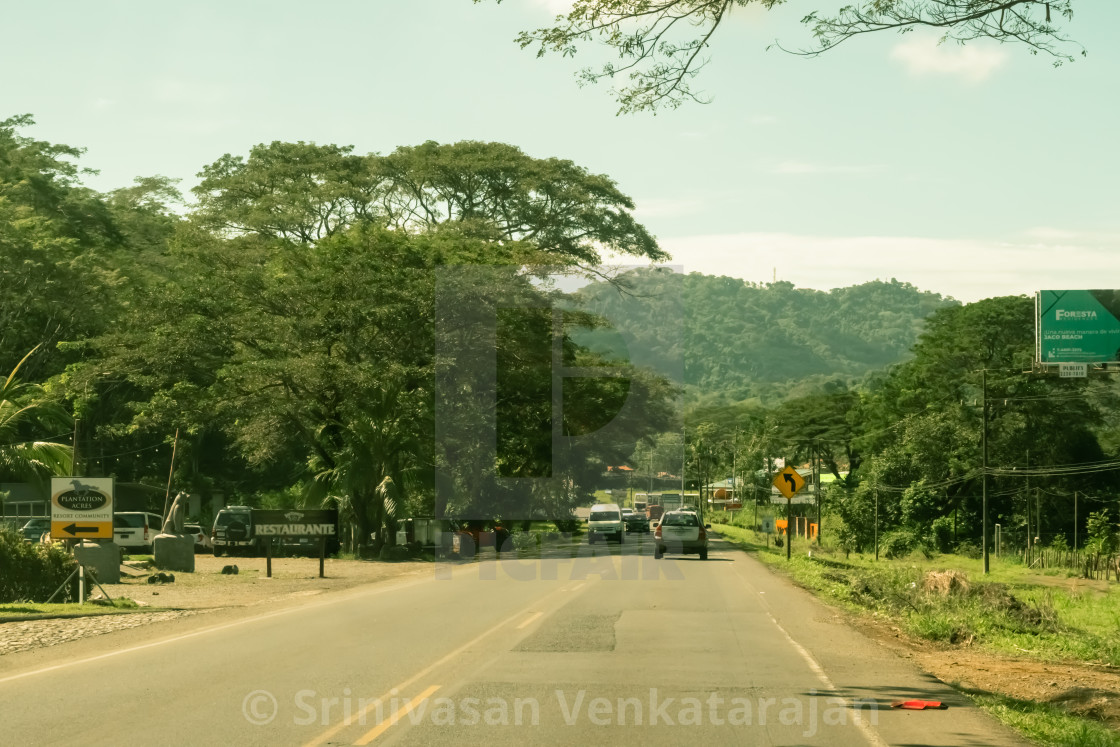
(970, 550)
(568, 526)
(31, 572)
(942, 532)
(1102, 537)
(897, 544)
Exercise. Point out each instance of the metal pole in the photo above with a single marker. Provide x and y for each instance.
(1075, 521)
(817, 485)
(984, 475)
(789, 522)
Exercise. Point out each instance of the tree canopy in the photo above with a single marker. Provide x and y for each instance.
(661, 44)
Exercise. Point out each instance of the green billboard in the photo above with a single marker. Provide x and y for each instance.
(1078, 326)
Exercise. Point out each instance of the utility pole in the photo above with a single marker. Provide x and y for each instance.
(74, 450)
(984, 468)
(875, 489)
(817, 486)
(1027, 502)
(1075, 521)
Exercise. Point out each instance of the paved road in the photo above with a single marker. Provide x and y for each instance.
(609, 647)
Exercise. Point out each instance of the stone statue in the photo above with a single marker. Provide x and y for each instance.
(173, 524)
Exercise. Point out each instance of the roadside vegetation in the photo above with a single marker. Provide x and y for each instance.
(1014, 611)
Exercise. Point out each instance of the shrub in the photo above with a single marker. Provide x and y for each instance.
(942, 532)
(1102, 537)
(970, 549)
(897, 544)
(31, 572)
(568, 526)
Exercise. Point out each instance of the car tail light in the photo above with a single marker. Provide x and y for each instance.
(145, 530)
(657, 532)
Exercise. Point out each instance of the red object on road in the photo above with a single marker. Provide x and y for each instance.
(918, 705)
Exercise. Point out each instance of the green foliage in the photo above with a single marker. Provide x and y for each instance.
(30, 572)
(742, 341)
(897, 544)
(1101, 533)
(25, 409)
(942, 531)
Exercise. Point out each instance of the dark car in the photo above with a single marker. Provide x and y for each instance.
(233, 531)
(34, 529)
(635, 521)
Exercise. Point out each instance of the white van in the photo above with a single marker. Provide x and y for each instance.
(605, 520)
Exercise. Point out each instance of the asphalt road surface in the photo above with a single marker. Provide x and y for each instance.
(610, 647)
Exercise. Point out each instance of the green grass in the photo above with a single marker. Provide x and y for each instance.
(1046, 724)
(1009, 611)
(33, 611)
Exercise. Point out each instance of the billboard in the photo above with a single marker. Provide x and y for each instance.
(1077, 326)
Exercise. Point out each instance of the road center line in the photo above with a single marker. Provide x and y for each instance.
(530, 621)
(378, 730)
(433, 666)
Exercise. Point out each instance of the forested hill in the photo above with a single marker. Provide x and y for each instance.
(740, 340)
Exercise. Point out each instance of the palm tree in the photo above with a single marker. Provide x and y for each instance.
(25, 408)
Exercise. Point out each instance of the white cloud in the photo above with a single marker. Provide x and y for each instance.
(966, 269)
(922, 55)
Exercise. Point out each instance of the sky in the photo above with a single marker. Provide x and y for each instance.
(972, 171)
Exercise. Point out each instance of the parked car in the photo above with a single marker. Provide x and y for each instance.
(135, 530)
(202, 541)
(680, 532)
(605, 520)
(34, 529)
(233, 531)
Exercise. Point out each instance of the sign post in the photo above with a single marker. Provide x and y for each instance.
(313, 523)
(81, 508)
(788, 482)
(1077, 326)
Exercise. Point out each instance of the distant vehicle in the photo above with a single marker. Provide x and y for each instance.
(135, 530)
(654, 511)
(636, 522)
(202, 541)
(680, 532)
(34, 529)
(671, 501)
(233, 530)
(605, 520)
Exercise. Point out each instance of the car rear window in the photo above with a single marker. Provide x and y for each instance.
(605, 516)
(128, 520)
(679, 520)
(224, 520)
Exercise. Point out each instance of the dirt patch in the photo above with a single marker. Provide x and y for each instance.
(208, 587)
(1081, 689)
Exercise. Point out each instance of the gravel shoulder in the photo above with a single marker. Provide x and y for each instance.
(204, 592)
